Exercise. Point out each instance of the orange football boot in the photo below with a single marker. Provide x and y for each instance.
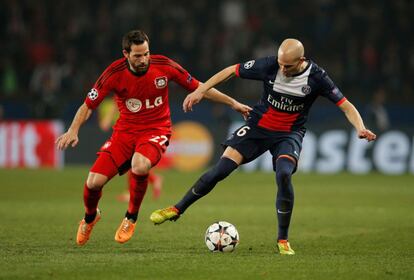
(125, 231)
(85, 229)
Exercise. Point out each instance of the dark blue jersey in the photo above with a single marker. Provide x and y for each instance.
(285, 102)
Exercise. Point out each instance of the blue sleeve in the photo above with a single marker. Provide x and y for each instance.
(329, 90)
(256, 69)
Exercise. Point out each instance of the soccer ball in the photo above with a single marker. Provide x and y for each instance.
(221, 236)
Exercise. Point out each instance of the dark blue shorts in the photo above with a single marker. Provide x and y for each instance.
(252, 141)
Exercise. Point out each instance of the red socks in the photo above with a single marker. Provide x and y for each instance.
(137, 187)
(91, 199)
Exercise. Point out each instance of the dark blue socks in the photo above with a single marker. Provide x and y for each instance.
(285, 196)
(207, 182)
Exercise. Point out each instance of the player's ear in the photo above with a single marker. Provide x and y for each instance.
(125, 53)
(301, 60)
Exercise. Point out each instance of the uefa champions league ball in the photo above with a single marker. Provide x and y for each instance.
(221, 237)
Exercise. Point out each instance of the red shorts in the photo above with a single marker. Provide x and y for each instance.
(122, 146)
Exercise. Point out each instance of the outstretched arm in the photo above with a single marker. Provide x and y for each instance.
(196, 96)
(70, 137)
(355, 119)
(219, 97)
(219, 77)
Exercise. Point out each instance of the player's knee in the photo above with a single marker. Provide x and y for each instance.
(220, 171)
(284, 170)
(140, 168)
(96, 181)
(140, 165)
(215, 174)
(211, 176)
(283, 175)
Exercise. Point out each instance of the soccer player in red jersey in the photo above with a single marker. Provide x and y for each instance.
(141, 135)
(108, 116)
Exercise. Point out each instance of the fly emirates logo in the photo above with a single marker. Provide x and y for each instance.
(285, 104)
(135, 105)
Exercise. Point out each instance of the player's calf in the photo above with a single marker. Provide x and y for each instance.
(207, 182)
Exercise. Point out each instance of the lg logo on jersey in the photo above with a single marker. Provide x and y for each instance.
(134, 105)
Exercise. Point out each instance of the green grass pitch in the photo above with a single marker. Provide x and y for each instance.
(344, 227)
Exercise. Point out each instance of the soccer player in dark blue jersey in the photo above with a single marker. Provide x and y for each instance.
(291, 84)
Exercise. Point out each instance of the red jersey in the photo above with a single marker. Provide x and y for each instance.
(142, 99)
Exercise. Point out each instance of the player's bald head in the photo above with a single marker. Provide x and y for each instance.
(290, 57)
(290, 51)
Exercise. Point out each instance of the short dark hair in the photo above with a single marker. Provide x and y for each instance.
(136, 37)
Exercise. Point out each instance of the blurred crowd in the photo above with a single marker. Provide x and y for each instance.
(51, 52)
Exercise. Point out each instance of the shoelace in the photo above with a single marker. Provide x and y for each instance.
(85, 228)
(285, 245)
(125, 226)
(166, 211)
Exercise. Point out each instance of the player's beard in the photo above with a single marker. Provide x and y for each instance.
(140, 69)
(143, 68)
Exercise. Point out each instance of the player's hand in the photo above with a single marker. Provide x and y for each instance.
(242, 109)
(367, 134)
(192, 99)
(66, 139)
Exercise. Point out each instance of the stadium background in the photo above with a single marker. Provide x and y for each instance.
(51, 54)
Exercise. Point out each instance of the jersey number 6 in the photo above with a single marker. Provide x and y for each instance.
(242, 131)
